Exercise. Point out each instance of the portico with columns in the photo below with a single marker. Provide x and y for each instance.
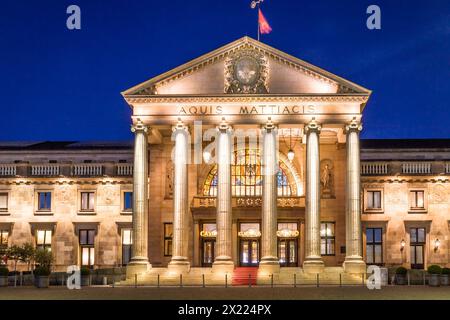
(280, 186)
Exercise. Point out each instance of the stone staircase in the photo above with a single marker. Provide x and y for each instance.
(198, 277)
(245, 276)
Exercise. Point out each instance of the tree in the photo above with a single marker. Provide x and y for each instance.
(43, 258)
(27, 253)
(14, 253)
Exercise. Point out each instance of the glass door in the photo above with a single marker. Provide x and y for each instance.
(249, 256)
(208, 252)
(287, 252)
(417, 248)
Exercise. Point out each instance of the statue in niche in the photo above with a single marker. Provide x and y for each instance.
(169, 179)
(327, 179)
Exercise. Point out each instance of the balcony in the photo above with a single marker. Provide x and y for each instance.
(416, 168)
(87, 169)
(47, 170)
(124, 169)
(8, 170)
(374, 168)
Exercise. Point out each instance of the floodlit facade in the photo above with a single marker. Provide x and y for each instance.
(286, 184)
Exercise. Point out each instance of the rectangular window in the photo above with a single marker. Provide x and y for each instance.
(127, 241)
(4, 239)
(374, 246)
(128, 201)
(44, 201)
(417, 199)
(168, 234)
(3, 202)
(87, 201)
(374, 200)
(44, 239)
(327, 239)
(417, 248)
(87, 238)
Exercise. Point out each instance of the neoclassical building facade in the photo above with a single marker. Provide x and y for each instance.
(243, 157)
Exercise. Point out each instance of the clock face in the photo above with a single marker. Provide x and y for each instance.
(246, 70)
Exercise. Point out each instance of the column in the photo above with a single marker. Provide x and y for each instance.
(139, 262)
(313, 261)
(353, 260)
(269, 262)
(179, 262)
(223, 261)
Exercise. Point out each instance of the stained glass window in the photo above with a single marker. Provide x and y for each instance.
(246, 177)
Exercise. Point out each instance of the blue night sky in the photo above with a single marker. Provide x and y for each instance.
(58, 84)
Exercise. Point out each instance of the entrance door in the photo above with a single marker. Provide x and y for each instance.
(208, 252)
(287, 252)
(417, 248)
(249, 256)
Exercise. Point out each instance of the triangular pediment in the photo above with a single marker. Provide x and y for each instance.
(246, 66)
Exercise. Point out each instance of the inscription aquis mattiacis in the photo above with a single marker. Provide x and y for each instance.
(247, 110)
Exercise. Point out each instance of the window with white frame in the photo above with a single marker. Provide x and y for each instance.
(44, 239)
(3, 201)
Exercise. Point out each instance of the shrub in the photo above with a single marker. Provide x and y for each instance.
(43, 258)
(4, 271)
(434, 269)
(42, 271)
(446, 271)
(401, 271)
(85, 271)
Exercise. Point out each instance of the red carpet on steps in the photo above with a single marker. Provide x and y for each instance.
(241, 276)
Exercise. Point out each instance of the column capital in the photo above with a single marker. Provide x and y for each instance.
(180, 126)
(269, 125)
(313, 126)
(139, 126)
(354, 125)
(224, 126)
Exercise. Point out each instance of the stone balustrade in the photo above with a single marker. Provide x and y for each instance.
(45, 170)
(87, 169)
(416, 168)
(374, 168)
(8, 170)
(124, 169)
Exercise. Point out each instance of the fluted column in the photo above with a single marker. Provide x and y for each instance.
(223, 261)
(353, 260)
(269, 261)
(139, 261)
(179, 261)
(313, 261)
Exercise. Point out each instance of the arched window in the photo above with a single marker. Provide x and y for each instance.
(246, 177)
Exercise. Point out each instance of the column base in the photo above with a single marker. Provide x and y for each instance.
(269, 265)
(179, 265)
(223, 265)
(138, 266)
(313, 265)
(354, 265)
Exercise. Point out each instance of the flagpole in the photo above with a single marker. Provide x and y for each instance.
(258, 21)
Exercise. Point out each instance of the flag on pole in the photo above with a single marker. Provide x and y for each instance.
(264, 26)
